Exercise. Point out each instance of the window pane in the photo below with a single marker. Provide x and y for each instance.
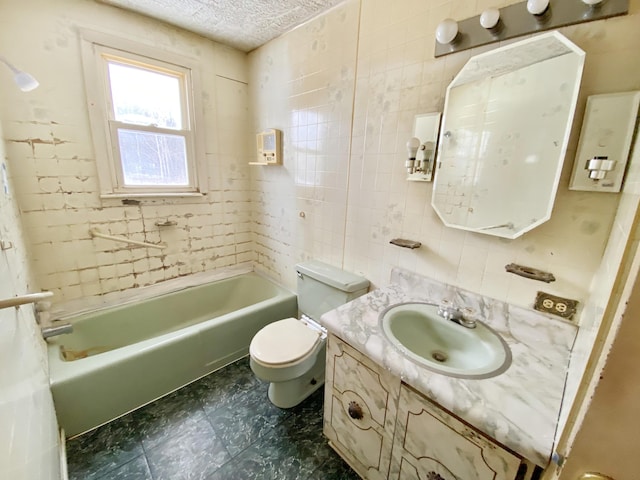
(144, 97)
(153, 158)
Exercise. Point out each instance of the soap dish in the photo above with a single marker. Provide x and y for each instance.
(403, 242)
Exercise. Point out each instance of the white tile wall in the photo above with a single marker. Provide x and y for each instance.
(344, 88)
(303, 84)
(28, 427)
(608, 281)
(396, 78)
(51, 152)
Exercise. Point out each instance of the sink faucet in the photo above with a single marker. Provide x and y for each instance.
(53, 330)
(455, 315)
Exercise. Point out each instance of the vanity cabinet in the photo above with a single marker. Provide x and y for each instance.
(360, 409)
(431, 444)
(386, 430)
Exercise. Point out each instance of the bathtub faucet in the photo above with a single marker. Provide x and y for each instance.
(53, 330)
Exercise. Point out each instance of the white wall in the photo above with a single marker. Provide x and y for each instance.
(396, 77)
(303, 84)
(28, 427)
(51, 152)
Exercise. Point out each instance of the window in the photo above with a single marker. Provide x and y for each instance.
(143, 119)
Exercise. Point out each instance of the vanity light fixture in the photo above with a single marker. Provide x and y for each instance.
(490, 18)
(25, 81)
(521, 18)
(447, 31)
(537, 7)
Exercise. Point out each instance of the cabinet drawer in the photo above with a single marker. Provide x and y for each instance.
(360, 409)
(432, 444)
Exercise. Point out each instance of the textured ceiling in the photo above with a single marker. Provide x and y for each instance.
(243, 24)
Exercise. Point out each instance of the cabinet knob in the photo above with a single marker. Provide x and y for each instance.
(355, 411)
(434, 476)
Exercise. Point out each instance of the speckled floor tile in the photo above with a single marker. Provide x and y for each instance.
(229, 386)
(102, 450)
(221, 427)
(251, 417)
(168, 417)
(194, 454)
(136, 469)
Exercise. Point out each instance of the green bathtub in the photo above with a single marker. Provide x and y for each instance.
(121, 358)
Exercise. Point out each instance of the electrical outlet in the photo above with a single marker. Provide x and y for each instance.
(563, 307)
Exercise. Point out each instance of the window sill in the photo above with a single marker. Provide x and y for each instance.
(107, 196)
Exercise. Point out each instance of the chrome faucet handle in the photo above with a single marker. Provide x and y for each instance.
(467, 317)
(448, 311)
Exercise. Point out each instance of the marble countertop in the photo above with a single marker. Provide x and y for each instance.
(520, 407)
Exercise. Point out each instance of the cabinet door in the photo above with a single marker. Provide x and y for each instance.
(360, 409)
(431, 444)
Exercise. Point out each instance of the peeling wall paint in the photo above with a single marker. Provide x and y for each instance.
(51, 153)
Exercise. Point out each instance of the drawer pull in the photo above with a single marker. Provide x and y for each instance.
(355, 411)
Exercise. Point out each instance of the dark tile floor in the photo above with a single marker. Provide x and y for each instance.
(222, 427)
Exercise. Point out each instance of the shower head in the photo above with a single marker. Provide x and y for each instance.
(25, 81)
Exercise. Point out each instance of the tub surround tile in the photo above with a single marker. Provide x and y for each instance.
(519, 408)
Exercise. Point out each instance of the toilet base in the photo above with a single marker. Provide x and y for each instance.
(290, 393)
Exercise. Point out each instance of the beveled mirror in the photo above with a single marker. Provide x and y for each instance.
(505, 128)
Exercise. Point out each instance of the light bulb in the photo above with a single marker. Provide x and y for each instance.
(592, 2)
(537, 7)
(412, 147)
(412, 150)
(446, 31)
(490, 18)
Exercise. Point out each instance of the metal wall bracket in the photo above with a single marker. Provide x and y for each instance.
(530, 272)
(516, 21)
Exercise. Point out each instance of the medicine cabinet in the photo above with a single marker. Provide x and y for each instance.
(505, 127)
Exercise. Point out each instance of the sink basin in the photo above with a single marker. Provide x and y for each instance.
(441, 345)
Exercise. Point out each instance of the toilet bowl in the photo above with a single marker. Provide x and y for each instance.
(289, 354)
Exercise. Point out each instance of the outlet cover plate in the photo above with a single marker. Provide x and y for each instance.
(562, 307)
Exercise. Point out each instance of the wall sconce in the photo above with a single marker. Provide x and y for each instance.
(447, 31)
(521, 18)
(25, 81)
(490, 18)
(537, 7)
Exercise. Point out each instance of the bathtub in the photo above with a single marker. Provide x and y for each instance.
(121, 358)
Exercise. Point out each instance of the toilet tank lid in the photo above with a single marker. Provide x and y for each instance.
(333, 276)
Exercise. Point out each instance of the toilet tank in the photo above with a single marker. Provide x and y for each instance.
(322, 287)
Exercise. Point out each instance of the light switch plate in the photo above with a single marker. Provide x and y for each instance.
(605, 139)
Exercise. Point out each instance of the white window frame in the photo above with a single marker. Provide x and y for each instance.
(97, 49)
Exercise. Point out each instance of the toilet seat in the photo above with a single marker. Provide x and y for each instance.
(283, 342)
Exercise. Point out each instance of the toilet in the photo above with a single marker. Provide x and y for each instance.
(290, 353)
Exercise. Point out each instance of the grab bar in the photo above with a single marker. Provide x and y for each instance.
(24, 299)
(94, 232)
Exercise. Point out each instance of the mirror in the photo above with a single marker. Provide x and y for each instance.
(425, 129)
(505, 128)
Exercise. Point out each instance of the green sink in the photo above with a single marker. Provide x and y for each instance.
(442, 345)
